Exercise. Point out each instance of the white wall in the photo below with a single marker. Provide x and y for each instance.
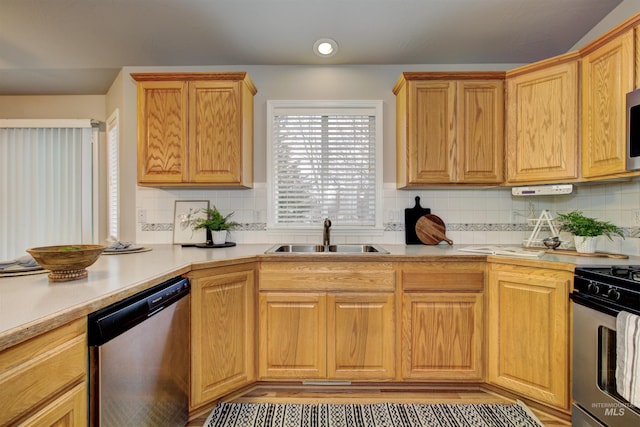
(53, 107)
(625, 10)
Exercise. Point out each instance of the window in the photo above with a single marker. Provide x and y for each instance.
(325, 161)
(47, 184)
(113, 198)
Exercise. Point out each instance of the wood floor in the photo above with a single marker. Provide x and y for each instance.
(296, 393)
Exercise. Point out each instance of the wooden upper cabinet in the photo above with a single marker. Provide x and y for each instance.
(432, 132)
(449, 128)
(195, 129)
(480, 120)
(162, 132)
(542, 121)
(607, 76)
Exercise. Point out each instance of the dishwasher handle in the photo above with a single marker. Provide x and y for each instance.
(111, 321)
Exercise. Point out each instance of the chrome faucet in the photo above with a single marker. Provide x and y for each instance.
(326, 234)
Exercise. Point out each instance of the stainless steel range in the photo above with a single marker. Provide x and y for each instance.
(600, 294)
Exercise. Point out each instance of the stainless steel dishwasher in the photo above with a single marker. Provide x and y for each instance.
(139, 359)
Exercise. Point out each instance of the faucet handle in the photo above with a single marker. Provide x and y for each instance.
(327, 222)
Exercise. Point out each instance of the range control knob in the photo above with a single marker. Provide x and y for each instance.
(593, 288)
(614, 294)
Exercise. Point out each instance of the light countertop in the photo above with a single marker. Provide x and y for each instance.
(30, 305)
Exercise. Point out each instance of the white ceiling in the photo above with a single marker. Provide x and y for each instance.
(78, 46)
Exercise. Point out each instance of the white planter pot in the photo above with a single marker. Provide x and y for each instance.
(219, 237)
(585, 244)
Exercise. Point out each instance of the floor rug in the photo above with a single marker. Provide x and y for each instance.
(370, 415)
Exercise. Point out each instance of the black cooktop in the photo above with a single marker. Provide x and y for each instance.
(622, 275)
(618, 285)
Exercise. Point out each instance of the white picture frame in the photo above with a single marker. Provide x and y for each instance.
(184, 214)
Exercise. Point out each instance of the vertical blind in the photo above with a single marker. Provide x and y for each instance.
(46, 184)
(113, 185)
(324, 165)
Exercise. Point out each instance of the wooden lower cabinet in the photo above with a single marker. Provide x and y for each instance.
(442, 336)
(528, 332)
(361, 336)
(222, 331)
(327, 320)
(68, 410)
(292, 335)
(442, 321)
(43, 381)
(347, 336)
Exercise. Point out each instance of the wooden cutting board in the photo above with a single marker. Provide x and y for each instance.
(411, 217)
(431, 230)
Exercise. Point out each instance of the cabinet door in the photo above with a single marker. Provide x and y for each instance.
(528, 333)
(36, 373)
(542, 125)
(162, 132)
(607, 76)
(442, 336)
(480, 118)
(222, 333)
(68, 410)
(215, 132)
(292, 335)
(432, 131)
(361, 336)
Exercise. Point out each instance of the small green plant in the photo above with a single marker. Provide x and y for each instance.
(214, 221)
(579, 225)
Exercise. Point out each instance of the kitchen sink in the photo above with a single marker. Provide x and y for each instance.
(355, 249)
(295, 248)
(342, 248)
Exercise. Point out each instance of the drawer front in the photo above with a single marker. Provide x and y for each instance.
(443, 276)
(39, 369)
(328, 276)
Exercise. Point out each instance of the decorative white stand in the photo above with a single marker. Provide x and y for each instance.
(533, 240)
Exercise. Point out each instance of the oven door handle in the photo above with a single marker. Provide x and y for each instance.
(593, 304)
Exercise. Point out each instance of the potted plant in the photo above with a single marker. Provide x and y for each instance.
(585, 230)
(216, 226)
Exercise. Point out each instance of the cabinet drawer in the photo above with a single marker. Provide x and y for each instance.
(68, 410)
(328, 276)
(38, 369)
(443, 276)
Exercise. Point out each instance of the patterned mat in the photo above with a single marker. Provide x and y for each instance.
(370, 415)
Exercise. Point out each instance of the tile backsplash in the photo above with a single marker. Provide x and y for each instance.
(472, 215)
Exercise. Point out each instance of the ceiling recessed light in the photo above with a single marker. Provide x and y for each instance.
(325, 48)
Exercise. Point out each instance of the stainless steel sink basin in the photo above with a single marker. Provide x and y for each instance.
(296, 248)
(354, 249)
(343, 248)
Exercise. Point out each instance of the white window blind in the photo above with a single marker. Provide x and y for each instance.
(46, 184)
(113, 195)
(325, 161)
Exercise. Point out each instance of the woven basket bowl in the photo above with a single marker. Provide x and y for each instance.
(66, 262)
